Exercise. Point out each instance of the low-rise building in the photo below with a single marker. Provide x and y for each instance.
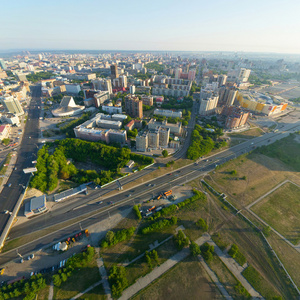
(10, 119)
(168, 113)
(112, 109)
(4, 131)
(174, 128)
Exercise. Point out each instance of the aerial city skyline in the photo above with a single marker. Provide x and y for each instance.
(150, 150)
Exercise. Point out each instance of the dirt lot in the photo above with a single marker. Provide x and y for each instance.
(248, 134)
(280, 210)
(187, 280)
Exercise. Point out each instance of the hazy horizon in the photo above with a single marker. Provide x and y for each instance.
(234, 26)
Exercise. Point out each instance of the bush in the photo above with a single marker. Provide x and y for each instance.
(207, 251)
(195, 249)
(235, 253)
(202, 224)
(180, 240)
(113, 238)
(118, 280)
(137, 212)
(233, 172)
(56, 280)
(164, 153)
(159, 225)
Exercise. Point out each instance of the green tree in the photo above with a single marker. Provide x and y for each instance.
(195, 249)
(56, 280)
(165, 153)
(202, 224)
(181, 240)
(5, 141)
(154, 255)
(110, 237)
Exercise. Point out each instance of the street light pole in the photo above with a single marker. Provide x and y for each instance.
(80, 227)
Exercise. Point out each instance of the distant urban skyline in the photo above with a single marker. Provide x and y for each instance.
(170, 25)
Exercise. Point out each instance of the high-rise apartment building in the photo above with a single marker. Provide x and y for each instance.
(222, 80)
(2, 64)
(178, 72)
(153, 139)
(164, 135)
(142, 142)
(134, 106)
(244, 75)
(227, 96)
(102, 85)
(192, 74)
(114, 71)
(12, 105)
(208, 104)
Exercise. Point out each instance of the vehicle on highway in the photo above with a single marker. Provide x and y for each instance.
(22, 260)
(9, 185)
(32, 256)
(100, 202)
(15, 168)
(129, 195)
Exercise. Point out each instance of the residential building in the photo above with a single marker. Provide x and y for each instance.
(236, 116)
(134, 106)
(102, 84)
(142, 142)
(147, 100)
(12, 105)
(222, 80)
(164, 135)
(244, 75)
(192, 74)
(153, 138)
(208, 104)
(178, 72)
(132, 89)
(227, 95)
(168, 113)
(174, 128)
(114, 71)
(2, 64)
(3, 74)
(112, 109)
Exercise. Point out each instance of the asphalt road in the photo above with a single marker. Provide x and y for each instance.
(10, 195)
(81, 208)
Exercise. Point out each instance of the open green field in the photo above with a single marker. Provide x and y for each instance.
(259, 283)
(97, 293)
(187, 280)
(258, 172)
(281, 210)
(78, 282)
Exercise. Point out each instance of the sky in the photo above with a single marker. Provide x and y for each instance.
(191, 25)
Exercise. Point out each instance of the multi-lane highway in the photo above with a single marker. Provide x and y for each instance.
(82, 207)
(10, 195)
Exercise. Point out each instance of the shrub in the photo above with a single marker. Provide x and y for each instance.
(113, 238)
(195, 249)
(137, 212)
(202, 224)
(180, 240)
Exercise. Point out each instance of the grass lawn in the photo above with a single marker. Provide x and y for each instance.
(281, 210)
(261, 172)
(287, 150)
(187, 280)
(225, 277)
(288, 255)
(65, 185)
(96, 293)
(259, 283)
(80, 280)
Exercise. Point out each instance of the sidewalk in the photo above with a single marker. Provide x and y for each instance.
(87, 290)
(104, 276)
(157, 272)
(214, 278)
(236, 270)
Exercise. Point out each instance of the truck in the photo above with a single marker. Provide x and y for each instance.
(168, 193)
(151, 208)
